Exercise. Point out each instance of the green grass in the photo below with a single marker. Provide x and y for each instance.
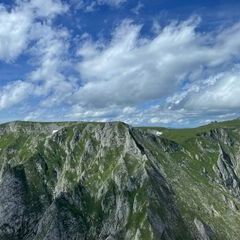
(181, 135)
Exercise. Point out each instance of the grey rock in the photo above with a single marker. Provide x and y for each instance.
(204, 230)
(13, 203)
(226, 172)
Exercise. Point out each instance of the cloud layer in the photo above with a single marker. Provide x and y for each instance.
(177, 75)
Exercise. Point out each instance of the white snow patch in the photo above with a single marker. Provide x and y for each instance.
(158, 133)
(54, 131)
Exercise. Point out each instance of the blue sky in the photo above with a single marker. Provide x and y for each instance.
(167, 63)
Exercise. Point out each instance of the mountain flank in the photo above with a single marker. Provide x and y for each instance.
(107, 181)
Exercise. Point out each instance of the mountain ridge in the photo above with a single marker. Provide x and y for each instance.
(114, 181)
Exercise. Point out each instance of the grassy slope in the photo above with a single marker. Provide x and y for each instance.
(191, 174)
(183, 134)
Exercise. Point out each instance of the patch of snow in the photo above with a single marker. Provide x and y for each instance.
(158, 133)
(54, 131)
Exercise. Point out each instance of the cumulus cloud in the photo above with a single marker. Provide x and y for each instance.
(130, 69)
(14, 93)
(51, 57)
(16, 24)
(22, 26)
(221, 94)
(14, 30)
(152, 115)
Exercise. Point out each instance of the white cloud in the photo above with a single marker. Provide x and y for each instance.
(16, 24)
(220, 95)
(153, 115)
(140, 80)
(51, 56)
(23, 25)
(48, 9)
(114, 3)
(136, 10)
(14, 30)
(90, 6)
(130, 69)
(14, 93)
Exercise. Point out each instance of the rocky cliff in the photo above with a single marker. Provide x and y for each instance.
(112, 181)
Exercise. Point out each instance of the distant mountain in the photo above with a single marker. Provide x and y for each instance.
(112, 181)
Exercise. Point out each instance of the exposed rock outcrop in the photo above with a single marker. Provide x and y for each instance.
(204, 231)
(226, 172)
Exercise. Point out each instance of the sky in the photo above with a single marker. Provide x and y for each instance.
(172, 63)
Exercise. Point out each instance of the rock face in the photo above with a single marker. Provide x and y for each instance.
(226, 172)
(204, 231)
(13, 203)
(112, 181)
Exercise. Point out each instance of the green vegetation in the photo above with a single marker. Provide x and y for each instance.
(181, 135)
(135, 182)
